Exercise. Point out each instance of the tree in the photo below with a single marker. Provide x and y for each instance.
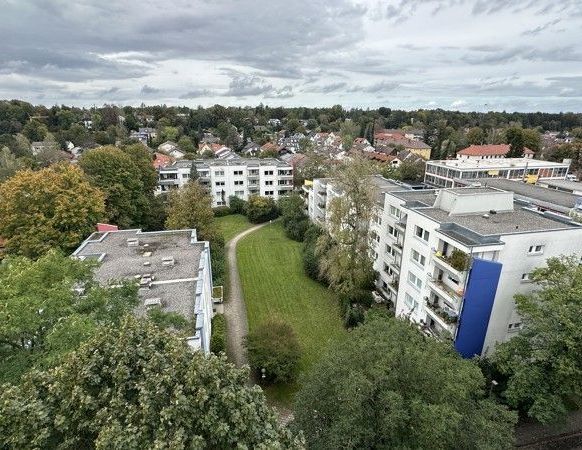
(345, 259)
(136, 386)
(9, 164)
(274, 351)
(116, 173)
(388, 386)
(191, 207)
(237, 205)
(349, 131)
(514, 137)
(186, 145)
(411, 171)
(532, 139)
(34, 130)
(295, 221)
(544, 362)
(51, 305)
(476, 136)
(260, 209)
(310, 257)
(51, 208)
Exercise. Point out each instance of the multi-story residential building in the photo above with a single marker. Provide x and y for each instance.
(451, 260)
(240, 177)
(449, 172)
(172, 269)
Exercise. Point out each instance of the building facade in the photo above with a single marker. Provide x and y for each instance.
(451, 260)
(448, 173)
(240, 177)
(172, 269)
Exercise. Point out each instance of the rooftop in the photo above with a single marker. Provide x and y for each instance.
(495, 163)
(563, 185)
(489, 150)
(137, 255)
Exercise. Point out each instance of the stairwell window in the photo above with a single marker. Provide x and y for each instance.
(536, 249)
(409, 301)
(418, 258)
(414, 281)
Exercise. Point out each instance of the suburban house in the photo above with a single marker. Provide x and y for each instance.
(252, 149)
(451, 260)
(389, 142)
(216, 150)
(242, 177)
(172, 269)
(490, 151)
(161, 160)
(42, 146)
(144, 135)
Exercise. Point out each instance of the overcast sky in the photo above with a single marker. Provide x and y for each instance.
(514, 55)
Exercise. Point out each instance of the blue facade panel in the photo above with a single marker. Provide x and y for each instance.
(477, 305)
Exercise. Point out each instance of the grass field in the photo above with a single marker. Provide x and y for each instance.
(274, 284)
(232, 225)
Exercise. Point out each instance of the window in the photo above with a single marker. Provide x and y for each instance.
(514, 326)
(239, 193)
(452, 280)
(535, 249)
(414, 281)
(269, 192)
(526, 277)
(219, 203)
(394, 211)
(418, 258)
(269, 183)
(185, 175)
(409, 301)
(390, 250)
(238, 172)
(219, 173)
(392, 231)
(219, 183)
(268, 172)
(421, 233)
(238, 183)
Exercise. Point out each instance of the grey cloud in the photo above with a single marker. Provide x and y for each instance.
(244, 85)
(284, 92)
(541, 28)
(196, 93)
(496, 55)
(145, 89)
(332, 87)
(382, 86)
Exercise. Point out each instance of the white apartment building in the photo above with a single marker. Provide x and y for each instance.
(172, 269)
(449, 172)
(241, 177)
(451, 260)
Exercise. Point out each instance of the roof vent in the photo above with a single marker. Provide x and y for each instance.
(492, 211)
(153, 303)
(132, 242)
(168, 261)
(147, 263)
(486, 216)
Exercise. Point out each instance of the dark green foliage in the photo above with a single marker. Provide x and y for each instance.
(386, 385)
(293, 217)
(353, 316)
(274, 352)
(310, 258)
(221, 211)
(261, 209)
(217, 259)
(218, 338)
(136, 386)
(237, 205)
(458, 259)
(172, 320)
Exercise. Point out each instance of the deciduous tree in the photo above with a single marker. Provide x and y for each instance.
(544, 362)
(54, 207)
(388, 386)
(260, 209)
(136, 386)
(191, 207)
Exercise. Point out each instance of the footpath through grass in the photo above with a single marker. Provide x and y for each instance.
(274, 284)
(232, 225)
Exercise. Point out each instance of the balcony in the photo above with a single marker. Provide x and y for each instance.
(456, 262)
(321, 205)
(322, 192)
(444, 314)
(398, 247)
(455, 296)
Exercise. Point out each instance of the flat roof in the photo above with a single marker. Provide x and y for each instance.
(495, 163)
(242, 162)
(418, 197)
(174, 284)
(563, 184)
(530, 192)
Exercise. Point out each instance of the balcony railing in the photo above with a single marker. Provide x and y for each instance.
(455, 295)
(449, 317)
(457, 260)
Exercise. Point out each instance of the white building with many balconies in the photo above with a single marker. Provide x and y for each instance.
(241, 177)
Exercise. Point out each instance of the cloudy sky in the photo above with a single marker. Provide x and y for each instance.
(522, 55)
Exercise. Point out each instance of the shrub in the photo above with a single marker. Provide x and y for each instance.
(274, 348)
(260, 209)
(217, 258)
(237, 205)
(310, 259)
(218, 338)
(221, 211)
(353, 316)
(458, 259)
(296, 229)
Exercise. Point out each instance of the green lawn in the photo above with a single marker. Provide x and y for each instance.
(274, 284)
(232, 225)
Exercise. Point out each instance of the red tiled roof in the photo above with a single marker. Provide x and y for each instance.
(383, 157)
(161, 160)
(489, 150)
(106, 227)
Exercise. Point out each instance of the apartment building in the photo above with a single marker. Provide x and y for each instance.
(451, 172)
(451, 260)
(241, 177)
(172, 269)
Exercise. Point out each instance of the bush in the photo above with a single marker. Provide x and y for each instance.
(354, 316)
(274, 348)
(221, 211)
(296, 229)
(310, 259)
(459, 260)
(295, 221)
(260, 209)
(218, 338)
(237, 205)
(217, 258)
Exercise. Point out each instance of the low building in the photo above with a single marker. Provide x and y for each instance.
(573, 187)
(144, 135)
(392, 142)
(252, 149)
(242, 177)
(490, 151)
(449, 172)
(172, 269)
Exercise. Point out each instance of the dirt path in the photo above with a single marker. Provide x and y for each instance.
(234, 308)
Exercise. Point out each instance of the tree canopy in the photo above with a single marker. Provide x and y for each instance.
(191, 207)
(388, 386)
(544, 362)
(54, 207)
(136, 386)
